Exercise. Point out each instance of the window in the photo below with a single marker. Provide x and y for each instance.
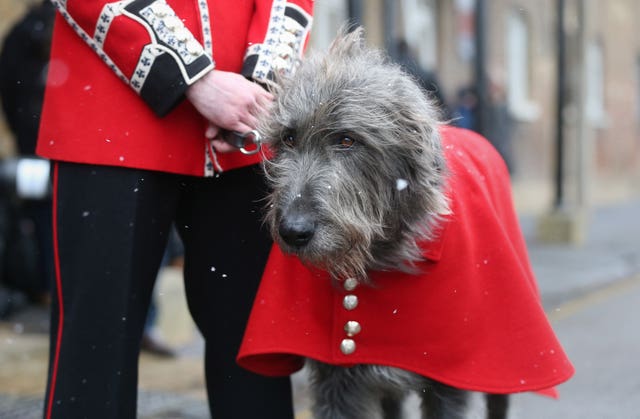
(594, 84)
(420, 30)
(519, 68)
(638, 90)
(329, 16)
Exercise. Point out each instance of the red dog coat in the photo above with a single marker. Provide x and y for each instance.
(472, 319)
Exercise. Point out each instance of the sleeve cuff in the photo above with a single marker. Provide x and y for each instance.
(164, 86)
(283, 44)
(173, 61)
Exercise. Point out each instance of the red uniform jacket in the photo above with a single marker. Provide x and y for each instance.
(472, 319)
(119, 70)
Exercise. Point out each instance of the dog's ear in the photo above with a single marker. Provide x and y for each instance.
(349, 41)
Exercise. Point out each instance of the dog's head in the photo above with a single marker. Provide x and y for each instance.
(358, 169)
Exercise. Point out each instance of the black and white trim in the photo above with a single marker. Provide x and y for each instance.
(289, 26)
(147, 59)
(61, 5)
(205, 23)
(169, 30)
(172, 61)
(175, 59)
(109, 12)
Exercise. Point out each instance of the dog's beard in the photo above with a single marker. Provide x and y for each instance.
(343, 256)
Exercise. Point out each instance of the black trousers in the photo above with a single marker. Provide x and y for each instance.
(110, 229)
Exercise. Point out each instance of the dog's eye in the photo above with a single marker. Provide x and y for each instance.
(345, 142)
(289, 140)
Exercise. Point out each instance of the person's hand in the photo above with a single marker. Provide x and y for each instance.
(220, 145)
(228, 101)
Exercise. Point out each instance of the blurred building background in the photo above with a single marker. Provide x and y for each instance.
(559, 97)
(555, 85)
(575, 80)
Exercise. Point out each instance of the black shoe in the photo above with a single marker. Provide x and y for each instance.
(153, 343)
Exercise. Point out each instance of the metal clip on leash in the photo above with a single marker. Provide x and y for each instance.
(241, 139)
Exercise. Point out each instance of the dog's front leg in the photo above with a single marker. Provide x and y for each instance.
(392, 406)
(497, 406)
(341, 393)
(440, 401)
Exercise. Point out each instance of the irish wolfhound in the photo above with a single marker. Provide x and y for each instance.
(359, 179)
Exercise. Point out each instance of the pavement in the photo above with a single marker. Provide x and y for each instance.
(590, 292)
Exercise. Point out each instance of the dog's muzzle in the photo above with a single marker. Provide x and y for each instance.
(296, 227)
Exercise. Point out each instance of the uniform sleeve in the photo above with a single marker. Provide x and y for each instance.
(277, 37)
(144, 42)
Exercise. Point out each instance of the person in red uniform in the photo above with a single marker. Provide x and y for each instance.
(138, 95)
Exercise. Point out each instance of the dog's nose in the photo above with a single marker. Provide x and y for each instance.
(297, 229)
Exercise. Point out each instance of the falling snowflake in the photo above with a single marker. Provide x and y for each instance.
(401, 184)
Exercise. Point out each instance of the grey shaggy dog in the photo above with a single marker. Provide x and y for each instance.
(349, 130)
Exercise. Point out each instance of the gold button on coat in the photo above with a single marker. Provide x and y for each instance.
(347, 346)
(352, 328)
(350, 302)
(350, 284)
